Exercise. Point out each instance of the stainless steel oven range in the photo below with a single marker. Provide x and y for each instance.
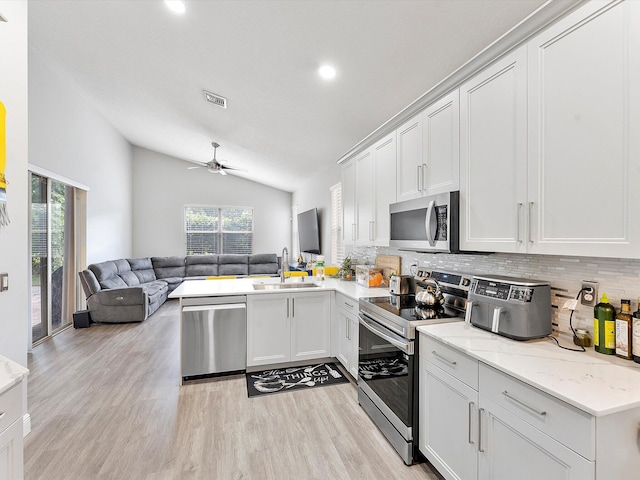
(387, 366)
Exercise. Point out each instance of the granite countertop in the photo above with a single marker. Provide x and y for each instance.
(10, 373)
(244, 286)
(598, 384)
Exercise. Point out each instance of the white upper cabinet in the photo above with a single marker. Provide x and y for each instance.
(349, 202)
(441, 140)
(493, 150)
(584, 125)
(364, 197)
(428, 156)
(384, 187)
(409, 159)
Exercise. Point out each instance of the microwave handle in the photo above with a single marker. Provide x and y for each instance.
(431, 223)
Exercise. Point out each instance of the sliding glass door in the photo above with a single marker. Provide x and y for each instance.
(54, 255)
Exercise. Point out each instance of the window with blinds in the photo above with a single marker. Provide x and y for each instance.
(337, 245)
(211, 230)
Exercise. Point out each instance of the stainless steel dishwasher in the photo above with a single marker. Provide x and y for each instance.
(213, 336)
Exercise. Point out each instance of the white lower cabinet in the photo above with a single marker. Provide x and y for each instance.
(284, 327)
(11, 432)
(478, 423)
(346, 325)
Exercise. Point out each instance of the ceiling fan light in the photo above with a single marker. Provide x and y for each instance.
(327, 72)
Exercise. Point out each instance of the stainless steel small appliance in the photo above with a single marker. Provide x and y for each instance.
(402, 285)
(426, 224)
(387, 364)
(513, 307)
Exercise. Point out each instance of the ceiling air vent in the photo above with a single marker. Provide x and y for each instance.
(215, 99)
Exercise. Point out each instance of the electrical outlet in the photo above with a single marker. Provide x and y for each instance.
(590, 297)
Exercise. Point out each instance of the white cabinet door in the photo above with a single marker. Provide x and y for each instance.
(493, 156)
(384, 188)
(310, 325)
(511, 448)
(409, 159)
(349, 202)
(268, 329)
(448, 426)
(364, 197)
(344, 345)
(584, 119)
(11, 463)
(353, 336)
(440, 169)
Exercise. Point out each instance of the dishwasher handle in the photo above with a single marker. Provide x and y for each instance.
(203, 308)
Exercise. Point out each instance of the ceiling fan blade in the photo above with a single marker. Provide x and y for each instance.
(222, 172)
(235, 168)
(199, 166)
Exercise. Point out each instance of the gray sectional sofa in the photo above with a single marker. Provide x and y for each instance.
(129, 290)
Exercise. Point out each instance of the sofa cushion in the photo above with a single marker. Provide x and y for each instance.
(130, 278)
(201, 265)
(231, 264)
(143, 269)
(154, 289)
(168, 267)
(107, 273)
(263, 264)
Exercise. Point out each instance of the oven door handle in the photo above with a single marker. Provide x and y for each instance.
(406, 347)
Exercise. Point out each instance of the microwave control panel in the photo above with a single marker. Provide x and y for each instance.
(442, 216)
(502, 291)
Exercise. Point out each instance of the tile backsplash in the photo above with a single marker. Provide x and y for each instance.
(619, 278)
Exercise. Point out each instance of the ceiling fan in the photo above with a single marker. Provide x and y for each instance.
(216, 166)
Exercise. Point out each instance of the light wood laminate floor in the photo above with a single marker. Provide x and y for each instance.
(105, 403)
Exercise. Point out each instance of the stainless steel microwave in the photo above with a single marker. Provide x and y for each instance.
(426, 224)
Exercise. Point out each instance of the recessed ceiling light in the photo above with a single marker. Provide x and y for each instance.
(327, 72)
(176, 6)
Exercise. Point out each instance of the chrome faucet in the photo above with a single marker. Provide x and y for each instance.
(285, 263)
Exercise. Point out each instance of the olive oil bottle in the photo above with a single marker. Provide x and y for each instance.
(623, 330)
(635, 334)
(604, 327)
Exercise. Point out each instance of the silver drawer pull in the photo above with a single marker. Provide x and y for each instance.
(348, 305)
(437, 355)
(2, 415)
(520, 402)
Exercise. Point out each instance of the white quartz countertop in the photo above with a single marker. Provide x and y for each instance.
(10, 373)
(244, 286)
(598, 384)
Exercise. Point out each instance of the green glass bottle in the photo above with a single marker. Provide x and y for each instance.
(604, 327)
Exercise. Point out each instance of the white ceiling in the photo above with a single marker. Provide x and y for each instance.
(144, 69)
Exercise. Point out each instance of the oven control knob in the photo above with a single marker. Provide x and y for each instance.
(465, 282)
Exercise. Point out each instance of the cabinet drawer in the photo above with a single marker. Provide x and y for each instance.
(451, 360)
(347, 304)
(561, 421)
(10, 406)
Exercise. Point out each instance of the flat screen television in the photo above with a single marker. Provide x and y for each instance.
(309, 231)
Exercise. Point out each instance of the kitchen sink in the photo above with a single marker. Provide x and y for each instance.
(283, 286)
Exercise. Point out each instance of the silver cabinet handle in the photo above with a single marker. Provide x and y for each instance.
(518, 210)
(524, 404)
(469, 438)
(347, 324)
(418, 178)
(480, 449)
(348, 305)
(293, 307)
(424, 171)
(287, 308)
(530, 209)
(440, 357)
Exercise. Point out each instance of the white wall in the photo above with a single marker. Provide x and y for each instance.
(70, 138)
(314, 193)
(163, 186)
(14, 257)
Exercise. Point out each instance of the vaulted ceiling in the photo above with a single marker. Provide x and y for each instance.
(145, 68)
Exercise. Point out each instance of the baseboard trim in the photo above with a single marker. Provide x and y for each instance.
(26, 424)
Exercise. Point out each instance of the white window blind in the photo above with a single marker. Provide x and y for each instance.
(337, 244)
(211, 230)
